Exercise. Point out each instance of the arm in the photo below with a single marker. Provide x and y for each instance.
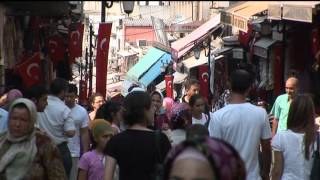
(266, 158)
(110, 168)
(274, 126)
(277, 165)
(83, 174)
(69, 128)
(84, 132)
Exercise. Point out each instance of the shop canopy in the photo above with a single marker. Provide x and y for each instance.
(239, 14)
(192, 62)
(178, 78)
(183, 45)
(149, 67)
(293, 10)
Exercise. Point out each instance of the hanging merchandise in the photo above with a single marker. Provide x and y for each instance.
(316, 48)
(75, 42)
(8, 43)
(278, 70)
(104, 33)
(244, 37)
(30, 70)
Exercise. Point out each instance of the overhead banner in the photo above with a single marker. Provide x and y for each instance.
(297, 13)
(204, 81)
(274, 11)
(159, 27)
(104, 33)
(169, 85)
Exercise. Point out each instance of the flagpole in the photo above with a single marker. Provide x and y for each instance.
(90, 61)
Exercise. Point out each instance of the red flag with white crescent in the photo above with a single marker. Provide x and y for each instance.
(75, 42)
(204, 81)
(169, 85)
(104, 33)
(30, 70)
(56, 48)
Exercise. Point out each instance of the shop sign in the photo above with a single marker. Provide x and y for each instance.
(240, 22)
(274, 11)
(301, 13)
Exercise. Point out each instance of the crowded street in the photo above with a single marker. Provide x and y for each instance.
(160, 90)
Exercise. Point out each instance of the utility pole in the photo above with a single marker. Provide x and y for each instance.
(90, 60)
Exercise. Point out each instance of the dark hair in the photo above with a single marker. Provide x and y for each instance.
(135, 103)
(72, 89)
(58, 85)
(107, 109)
(93, 97)
(190, 82)
(196, 131)
(301, 118)
(36, 92)
(131, 87)
(240, 81)
(156, 93)
(20, 105)
(193, 99)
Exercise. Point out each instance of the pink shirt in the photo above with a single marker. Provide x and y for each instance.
(93, 163)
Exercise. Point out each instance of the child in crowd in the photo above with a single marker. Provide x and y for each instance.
(92, 163)
(197, 105)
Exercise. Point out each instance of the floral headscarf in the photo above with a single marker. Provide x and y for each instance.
(181, 116)
(224, 159)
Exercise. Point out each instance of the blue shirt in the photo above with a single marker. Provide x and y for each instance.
(3, 120)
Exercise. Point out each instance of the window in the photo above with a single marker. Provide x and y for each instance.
(142, 43)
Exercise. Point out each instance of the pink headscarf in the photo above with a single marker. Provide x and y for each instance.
(167, 104)
(13, 94)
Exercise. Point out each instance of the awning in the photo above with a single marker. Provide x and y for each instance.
(155, 70)
(126, 53)
(193, 62)
(183, 45)
(262, 45)
(178, 78)
(293, 10)
(152, 56)
(241, 13)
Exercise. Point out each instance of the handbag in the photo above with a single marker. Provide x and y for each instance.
(315, 171)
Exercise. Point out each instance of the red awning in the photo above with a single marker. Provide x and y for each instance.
(183, 45)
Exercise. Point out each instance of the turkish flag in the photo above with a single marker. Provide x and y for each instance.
(104, 33)
(30, 70)
(56, 48)
(169, 84)
(204, 81)
(75, 42)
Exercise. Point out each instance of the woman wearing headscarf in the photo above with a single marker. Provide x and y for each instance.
(26, 153)
(161, 121)
(204, 158)
(181, 118)
(12, 95)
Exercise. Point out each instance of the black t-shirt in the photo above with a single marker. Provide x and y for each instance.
(136, 154)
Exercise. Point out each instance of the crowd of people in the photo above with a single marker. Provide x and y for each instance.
(46, 134)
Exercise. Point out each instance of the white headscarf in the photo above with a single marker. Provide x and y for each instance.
(18, 159)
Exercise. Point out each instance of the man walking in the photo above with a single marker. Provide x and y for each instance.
(57, 122)
(81, 119)
(281, 106)
(245, 126)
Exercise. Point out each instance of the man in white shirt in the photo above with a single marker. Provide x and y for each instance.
(81, 119)
(245, 126)
(57, 122)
